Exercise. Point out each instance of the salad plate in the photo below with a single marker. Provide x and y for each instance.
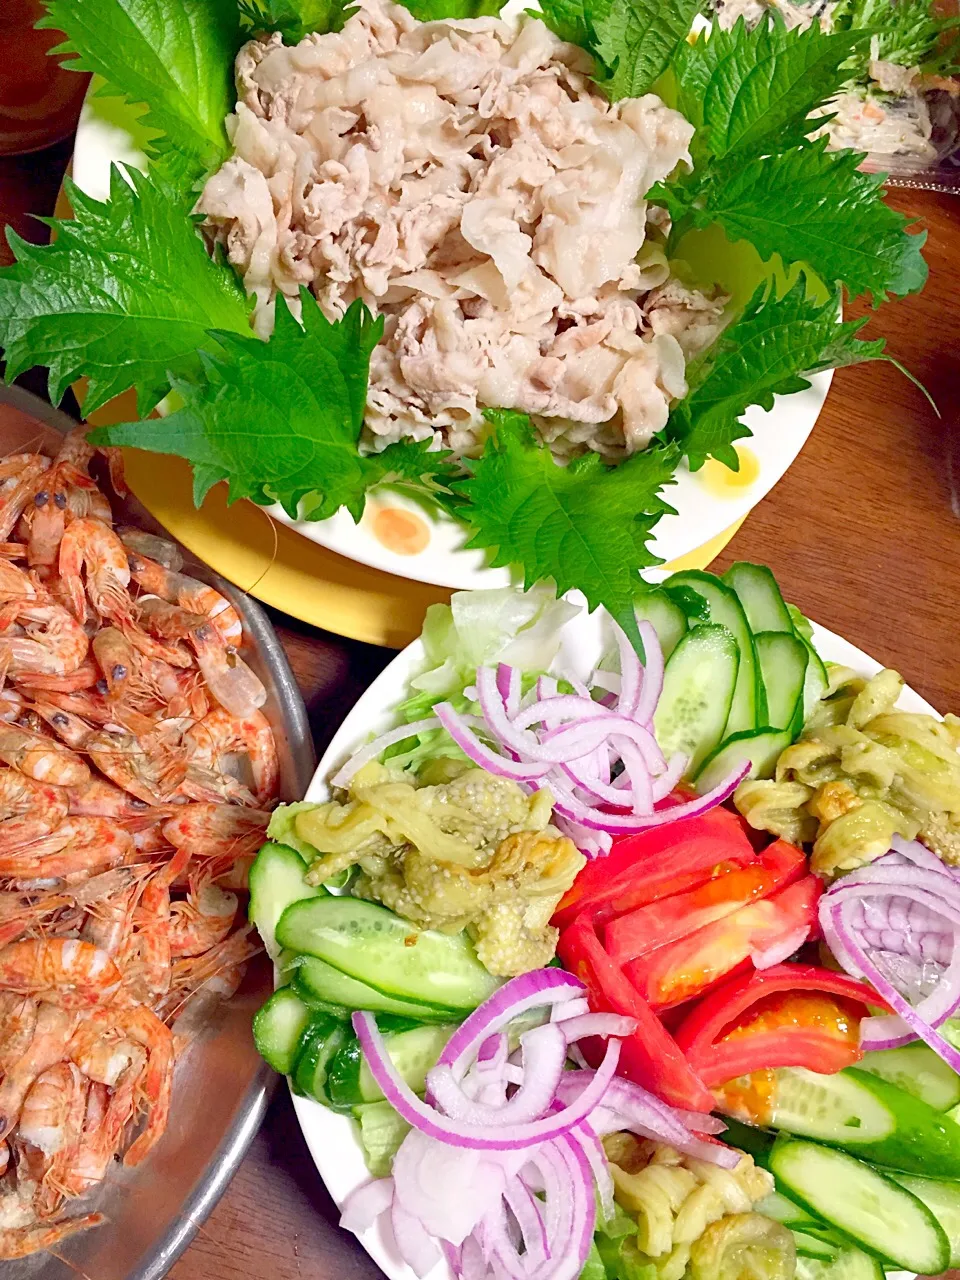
(399, 536)
(333, 1139)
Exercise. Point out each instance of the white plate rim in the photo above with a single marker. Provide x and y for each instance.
(331, 1138)
(106, 133)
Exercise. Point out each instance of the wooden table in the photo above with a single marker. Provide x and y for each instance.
(863, 533)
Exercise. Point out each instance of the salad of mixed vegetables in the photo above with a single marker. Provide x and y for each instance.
(635, 973)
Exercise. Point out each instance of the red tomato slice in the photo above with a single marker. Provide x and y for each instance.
(689, 966)
(724, 1008)
(655, 864)
(658, 923)
(650, 1056)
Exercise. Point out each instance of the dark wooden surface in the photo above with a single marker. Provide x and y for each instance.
(863, 533)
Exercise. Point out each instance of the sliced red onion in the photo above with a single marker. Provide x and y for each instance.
(767, 957)
(569, 807)
(652, 675)
(599, 1165)
(363, 1206)
(632, 676)
(418, 1250)
(665, 783)
(508, 686)
(585, 1025)
(543, 988)
(544, 1054)
(593, 844)
(485, 756)
(475, 1137)
(377, 747)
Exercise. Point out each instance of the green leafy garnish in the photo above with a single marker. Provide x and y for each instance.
(125, 293)
(296, 18)
(767, 351)
(585, 525)
(280, 420)
(174, 55)
(908, 33)
(634, 40)
(751, 96)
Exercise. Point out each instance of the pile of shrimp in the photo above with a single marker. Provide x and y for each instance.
(124, 839)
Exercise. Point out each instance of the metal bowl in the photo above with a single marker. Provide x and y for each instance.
(221, 1087)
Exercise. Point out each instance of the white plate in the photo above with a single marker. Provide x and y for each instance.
(706, 504)
(332, 1138)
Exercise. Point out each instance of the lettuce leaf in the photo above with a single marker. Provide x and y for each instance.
(174, 55)
(280, 420)
(125, 293)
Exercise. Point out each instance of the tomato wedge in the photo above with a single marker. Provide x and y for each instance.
(650, 1056)
(658, 923)
(790, 1015)
(693, 963)
(654, 864)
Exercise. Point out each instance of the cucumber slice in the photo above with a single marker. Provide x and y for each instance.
(811, 1247)
(748, 708)
(943, 1201)
(698, 687)
(917, 1070)
(276, 880)
(868, 1116)
(413, 1053)
(760, 747)
(322, 1040)
(849, 1264)
(877, 1213)
(665, 616)
(783, 1210)
(759, 594)
(278, 1027)
(323, 986)
(370, 943)
(783, 659)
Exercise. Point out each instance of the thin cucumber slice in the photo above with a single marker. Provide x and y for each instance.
(849, 1264)
(370, 943)
(413, 1053)
(761, 748)
(868, 1116)
(835, 1109)
(747, 710)
(276, 880)
(325, 987)
(811, 1247)
(698, 687)
(783, 1210)
(783, 659)
(665, 616)
(322, 1040)
(759, 594)
(917, 1070)
(943, 1201)
(277, 1028)
(877, 1213)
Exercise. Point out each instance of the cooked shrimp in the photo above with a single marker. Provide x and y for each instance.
(92, 546)
(40, 758)
(69, 728)
(101, 799)
(84, 678)
(45, 519)
(52, 1033)
(54, 643)
(20, 1242)
(86, 1165)
(114, 460)
(149, 635)
(19, 474)
(29, 810)
(151, 840)
(206, 917)
(15, 584)
(18, 1022)
(151, 966)
(228, 677)
(64, 972)
(188, 593)
(13, 550)
(148, 776)
(49, 1110)
(221, 734)
(20, 913)
(11, 705)
(79, 848)
(151, 547)
(217, 830)
(108, 922)
(220, 968)
(120, 664)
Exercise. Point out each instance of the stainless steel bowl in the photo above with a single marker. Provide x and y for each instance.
(221, 1086)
